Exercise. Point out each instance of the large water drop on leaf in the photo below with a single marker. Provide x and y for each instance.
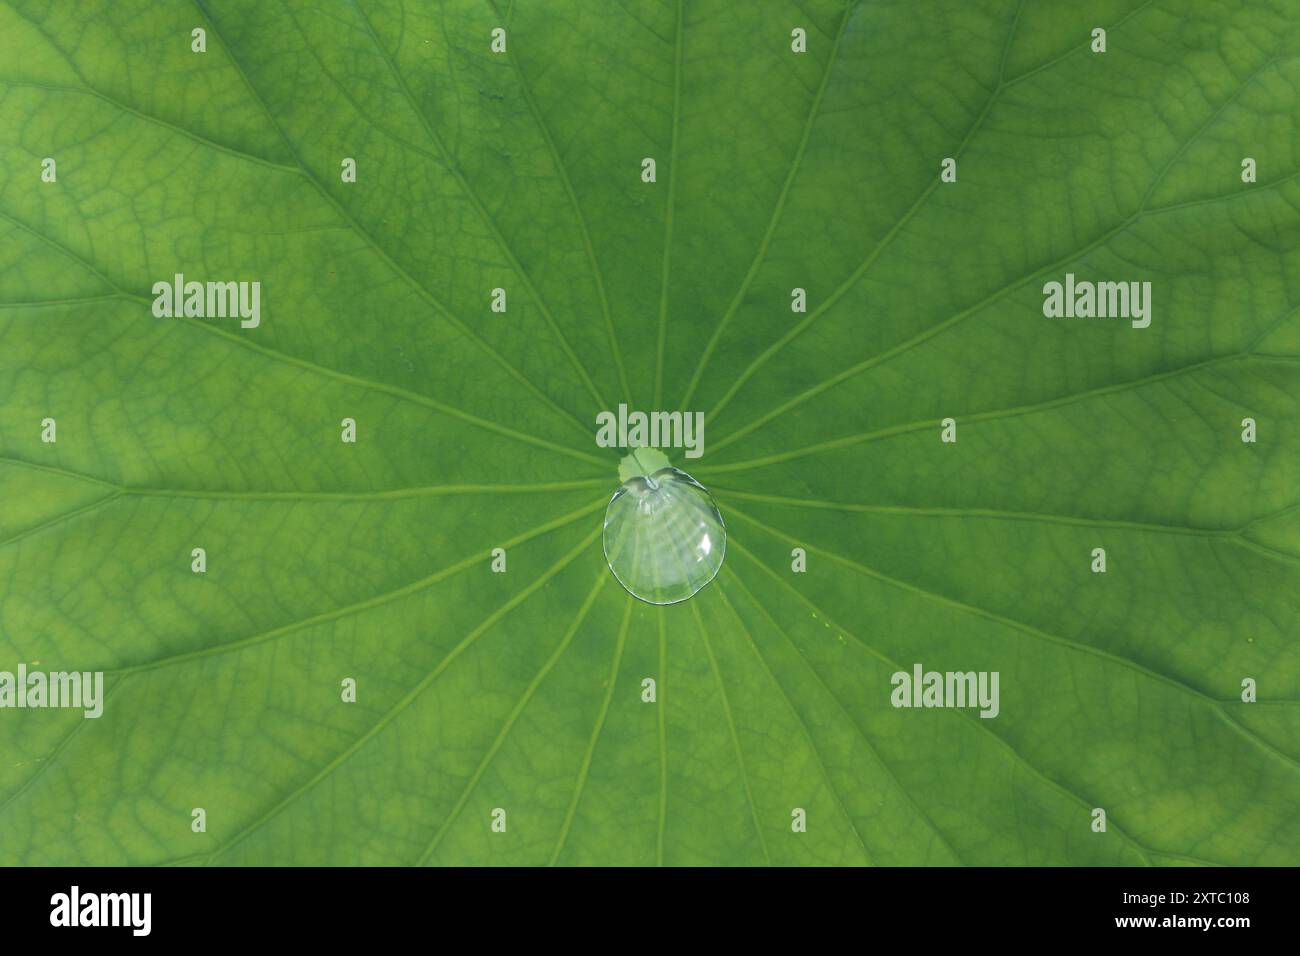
(664, 538)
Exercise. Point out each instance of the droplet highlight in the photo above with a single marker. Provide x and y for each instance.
(664, 537)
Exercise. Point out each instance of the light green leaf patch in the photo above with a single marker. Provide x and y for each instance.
(526, 681)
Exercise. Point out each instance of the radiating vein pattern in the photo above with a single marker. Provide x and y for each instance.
(341, 568)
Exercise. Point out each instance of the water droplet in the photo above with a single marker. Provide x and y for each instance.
(664, 538)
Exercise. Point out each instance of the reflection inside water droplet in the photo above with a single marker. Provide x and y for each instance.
(664, 538)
